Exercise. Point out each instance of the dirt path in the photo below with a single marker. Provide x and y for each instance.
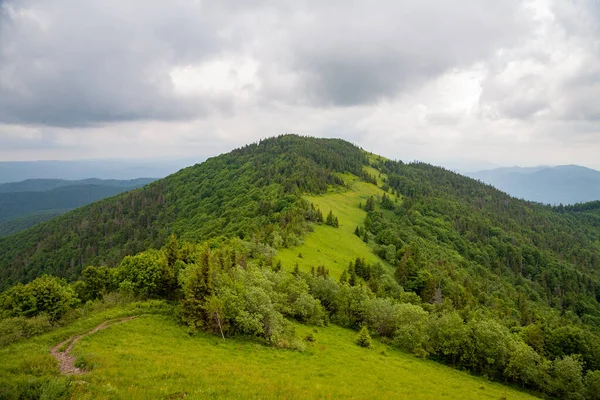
(65, 360)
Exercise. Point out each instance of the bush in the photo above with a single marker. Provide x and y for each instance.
(411, 333)
(363, 339)
(146, 273)
(13, 329)
(46, 294)
(592, 385)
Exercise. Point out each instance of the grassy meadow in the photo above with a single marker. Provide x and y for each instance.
(153, 357)
(336, 247)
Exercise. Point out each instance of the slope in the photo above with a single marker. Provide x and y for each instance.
(335, 248)
(24, 204)
(13, 225)
(252, 191)
(166, 362)
(452, 268)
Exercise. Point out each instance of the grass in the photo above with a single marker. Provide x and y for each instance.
(154, 358)
(27, 370)
(336, 247)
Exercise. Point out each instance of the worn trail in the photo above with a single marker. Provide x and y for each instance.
(65, 360)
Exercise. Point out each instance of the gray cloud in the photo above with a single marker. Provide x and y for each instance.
(70, 63)
(75, 62)
(557, 75)
(359, 54)
(494, 80)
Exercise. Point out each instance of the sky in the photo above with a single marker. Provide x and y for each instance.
(468, 84)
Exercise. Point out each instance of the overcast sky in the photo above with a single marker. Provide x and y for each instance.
(464, 83)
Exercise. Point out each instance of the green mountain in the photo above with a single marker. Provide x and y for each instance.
(294, 231)
(24, 204)
(243, 194)
(564, 184)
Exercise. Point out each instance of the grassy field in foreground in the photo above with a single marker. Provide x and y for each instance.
(335, 247)
(154, 358)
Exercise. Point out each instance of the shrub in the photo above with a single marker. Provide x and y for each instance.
(46, 294)
(411, 333)
(592, 385)
(363, 339)
(146, 272)
(13, 329)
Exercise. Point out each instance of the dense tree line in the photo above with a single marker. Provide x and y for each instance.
(447, 221)
(231, 287)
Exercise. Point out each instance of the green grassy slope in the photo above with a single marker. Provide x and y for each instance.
(153, 357)
(335, 247)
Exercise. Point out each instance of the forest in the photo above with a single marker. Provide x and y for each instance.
(469, 276)
(27, 203)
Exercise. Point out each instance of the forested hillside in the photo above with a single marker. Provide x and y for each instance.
(24, 204)
(251, 192)
(460, 271)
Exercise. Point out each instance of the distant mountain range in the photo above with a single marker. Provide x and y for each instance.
(24, 204)
(15, 171)
(564, 184)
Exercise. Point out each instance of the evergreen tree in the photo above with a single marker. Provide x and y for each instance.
(332, 220)
(370, 205)
(172, 250)
(386, 202)
(363, 339)
(344, 277)
(329, 220)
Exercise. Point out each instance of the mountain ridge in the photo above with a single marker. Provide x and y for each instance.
(563, 184)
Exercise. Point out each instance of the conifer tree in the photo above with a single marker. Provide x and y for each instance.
(344, 277)
(370, 205)
(172, 250)
(363, 339)
(329, 220)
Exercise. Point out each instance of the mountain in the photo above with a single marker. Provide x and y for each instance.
(15, 171)
(297, 231)
(235, 194)
(41, 185)
(565, 184)
(24, 204)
